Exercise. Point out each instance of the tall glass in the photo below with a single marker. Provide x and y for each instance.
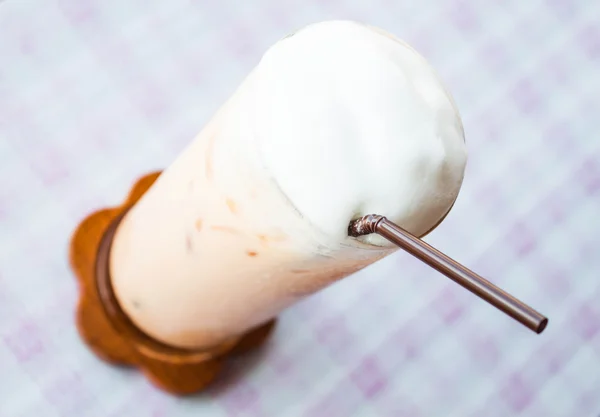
(215, 248)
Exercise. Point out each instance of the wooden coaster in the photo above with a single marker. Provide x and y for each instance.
(111, 335)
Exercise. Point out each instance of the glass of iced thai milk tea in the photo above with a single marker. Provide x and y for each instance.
(335, 122)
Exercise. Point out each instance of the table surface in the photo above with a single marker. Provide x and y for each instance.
(94, 94)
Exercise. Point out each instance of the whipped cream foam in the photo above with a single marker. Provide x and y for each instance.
(352, 121)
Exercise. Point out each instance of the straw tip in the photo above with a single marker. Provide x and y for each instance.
(364, 225)
(542, 326)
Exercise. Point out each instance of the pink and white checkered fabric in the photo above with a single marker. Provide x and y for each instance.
(95, 93)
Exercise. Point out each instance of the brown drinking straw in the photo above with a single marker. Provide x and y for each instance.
(458, 273)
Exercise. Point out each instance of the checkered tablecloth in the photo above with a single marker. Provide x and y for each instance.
(94, 94)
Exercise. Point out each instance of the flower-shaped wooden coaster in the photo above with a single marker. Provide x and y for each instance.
(110, 333)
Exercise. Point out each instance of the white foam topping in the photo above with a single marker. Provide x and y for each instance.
(352, 121)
